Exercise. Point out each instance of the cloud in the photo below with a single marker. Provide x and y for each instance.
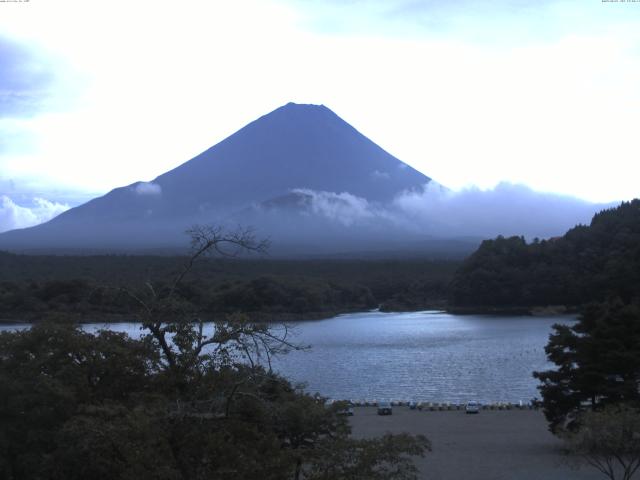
(380, 175)
(344, 208)
(485, 21)
(547, 111)
(23, 191)
(40, 210)
(508, 209)
(148, 188)
(7, 185)
(26, 79)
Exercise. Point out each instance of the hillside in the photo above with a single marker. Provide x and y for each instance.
(589, 263)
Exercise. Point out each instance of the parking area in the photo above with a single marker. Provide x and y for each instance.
(493, 444)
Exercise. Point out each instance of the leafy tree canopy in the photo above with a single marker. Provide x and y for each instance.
(597, 360)
(589, 263)
(188, 400)
(608, 440)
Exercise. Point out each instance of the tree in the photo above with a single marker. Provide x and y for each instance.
(189, 400)
(608, 440)
(598, 363)
(383, 458)
(589, 263)
(47, 375)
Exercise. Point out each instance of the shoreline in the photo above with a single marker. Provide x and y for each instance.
(85, 319)
(284, 317)
(529, 311)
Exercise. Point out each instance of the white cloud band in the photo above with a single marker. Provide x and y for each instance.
(14, 216)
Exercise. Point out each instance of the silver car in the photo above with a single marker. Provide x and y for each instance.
(472, 407)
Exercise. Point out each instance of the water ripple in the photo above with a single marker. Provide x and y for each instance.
(425, 356)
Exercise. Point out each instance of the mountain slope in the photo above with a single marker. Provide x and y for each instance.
(293, 147)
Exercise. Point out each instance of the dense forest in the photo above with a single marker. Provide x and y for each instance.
(92, 287)
(78, 406)
(186, 401)
(589, 263)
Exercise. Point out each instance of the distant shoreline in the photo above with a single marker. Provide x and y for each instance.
(280, 317)
(258, 317)
(532, 311)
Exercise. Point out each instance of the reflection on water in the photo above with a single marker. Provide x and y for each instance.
(428, 356)
(421, 356)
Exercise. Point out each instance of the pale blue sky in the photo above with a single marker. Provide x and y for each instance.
(94, 94)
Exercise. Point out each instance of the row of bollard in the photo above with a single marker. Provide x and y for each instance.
(442, 406)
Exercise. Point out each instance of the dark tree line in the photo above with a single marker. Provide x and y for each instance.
(264, 297)
(589, 263)
(38, 287)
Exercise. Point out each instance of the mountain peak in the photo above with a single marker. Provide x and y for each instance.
(293, 148)
(308, 106)
(300, 111)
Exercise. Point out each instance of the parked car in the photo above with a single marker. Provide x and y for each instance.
(472, 407)
(384, 408)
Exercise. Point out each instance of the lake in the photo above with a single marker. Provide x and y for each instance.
(423, 356)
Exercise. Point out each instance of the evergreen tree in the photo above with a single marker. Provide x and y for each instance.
(589, 263)
(598, 363)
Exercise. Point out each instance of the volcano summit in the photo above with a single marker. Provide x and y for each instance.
(268, 173)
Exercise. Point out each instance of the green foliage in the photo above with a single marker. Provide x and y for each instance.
(270, 294)
(388, 457)
(89, 288)
(587, 264)
(109, 441)
(608, 440)
(47, 373)
(598, 363)
(74, 406)
(187, 401)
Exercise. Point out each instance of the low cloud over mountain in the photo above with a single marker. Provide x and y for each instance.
(507, 209)
(430, 212)
(308, 180)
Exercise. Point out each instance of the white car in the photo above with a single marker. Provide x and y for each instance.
(472, 407)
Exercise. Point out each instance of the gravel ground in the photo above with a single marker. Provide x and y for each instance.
(510, 444)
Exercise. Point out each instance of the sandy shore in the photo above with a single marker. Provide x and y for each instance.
(512, 444)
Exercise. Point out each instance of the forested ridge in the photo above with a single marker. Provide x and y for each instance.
(589, 263)
(91, 287)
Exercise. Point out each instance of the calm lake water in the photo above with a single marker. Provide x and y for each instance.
(424, 356)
